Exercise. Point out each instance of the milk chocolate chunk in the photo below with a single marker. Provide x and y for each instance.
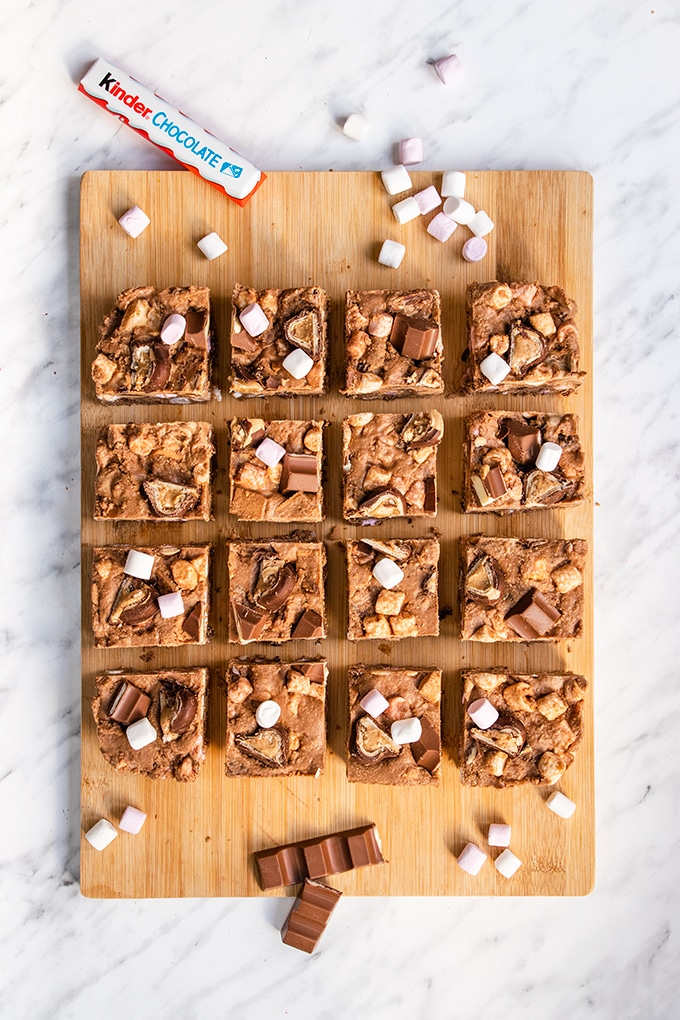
(310, 625)
(129, 704)
(430, 501)
(309, 916)
(484, 579)
(303, 331)
(533, 616)
(384, 502)
(275, 584)
(427, 750)
(314, 671)
(423, 429)
(319, 857)
(299, 473)
(178, 707)
(195, 326)
(372, 743)
(168, 499)
(249, 622)
(243, 341)
(414, 337)
(192, 624)
(493, 483)
(523, 441)
(134, 604)
(268, 746)
(543, 487)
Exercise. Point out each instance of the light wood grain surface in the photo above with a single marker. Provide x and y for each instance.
(326, 229)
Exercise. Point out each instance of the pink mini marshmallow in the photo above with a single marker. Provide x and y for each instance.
(374, 703)
(173, 328)
(253, 319)
(270, 453)
(441, 227)
(474, 249)
(427, 199)
(471, 859)
(410, 151)
(448, 68)
(134, 221)
(170, 605)
(482, 713)
(132, 820)
(499, 835)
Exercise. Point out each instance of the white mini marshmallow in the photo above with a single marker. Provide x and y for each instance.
(548, 457)
(560, 804)
(132, 820)
(405, 731)
(173, 328)
(453, 184)
(212, 246)
(267, 714)
(101, 834)
(441, 226)
(387, 573)
(481, 224)
(356, 127)
(448, 68)
(391, 254)
(482, 713)
(474, 249)
(270, 453)
(471, 859)
(298, 363)
(499, 835)
(494, 368)
(140, 734)
(374, 703)
(139, 564)
(134, 221)
(459, 210)
(170, 605)
(411, 151)
(253, 319)
(407, 209)
(396, 180)
(507, 863)
(427, 199)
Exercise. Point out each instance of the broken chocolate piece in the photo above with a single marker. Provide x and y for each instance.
(484, 579)
(194, 331)
(170, 500)
(192, 624)
(275, 584)
(527, 348)
(309, 626)
(129, 705)
(178, 706)
(268, 746)
(135, 603)
(426, 750)
(423, 429)
(309, 916)
(299, 473)
(247, 432)
(303, 331)
(543, 487)
(523, 441)
(430, 501)
(508, 736)
(533, 616)
(494, 483)
(243, 341)
(314, 671)
(385, 502)
(161, 369)
(319, 857)
(249, 622)
(414, 337)
(371, 743)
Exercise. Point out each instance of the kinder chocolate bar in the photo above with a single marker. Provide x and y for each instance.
(171, 131)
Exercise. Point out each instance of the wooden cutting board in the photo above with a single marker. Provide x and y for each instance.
(326, 229)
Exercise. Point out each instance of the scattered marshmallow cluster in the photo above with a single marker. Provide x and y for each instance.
(103, 832)
(134, 221)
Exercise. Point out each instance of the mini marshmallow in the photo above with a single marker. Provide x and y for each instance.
(507, 863)
(391, 254)
(140, 734)
(441, 226)
(356, 127)
(471, 859)
(253, 319)
(134, 221)
(407, 209)
(173, 328)
(453, 184)
(499, 835)
(212, 246)
(494, 368)
(448, 68)
(405, 731)
(548, 457)
(101, 834)
(561, 805)
(474, 249)
(481, 224)
(270, 453)
(387, 573)
(459, 210)
(132, 820)
(396, 180)
(374, 703)
(298, 363)
(411, 151)
(139, 564)
(267, 714)
(482, 713)
(427, 199)
(170, 605)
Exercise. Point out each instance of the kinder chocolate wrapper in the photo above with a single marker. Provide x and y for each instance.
(170, 130)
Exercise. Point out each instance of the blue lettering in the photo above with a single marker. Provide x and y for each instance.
(231, 170)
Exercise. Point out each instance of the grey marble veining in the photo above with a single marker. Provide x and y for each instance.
(591, 84)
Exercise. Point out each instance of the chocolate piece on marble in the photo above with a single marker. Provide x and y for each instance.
(310, 625)
(299, 473)
(309, 916)
(319, 857)
(533, 616)
(414, 337)
(129, 704)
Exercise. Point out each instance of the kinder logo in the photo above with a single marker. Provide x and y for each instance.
(231, 170)
(114, 88)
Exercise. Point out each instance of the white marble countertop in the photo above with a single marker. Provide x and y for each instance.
(589, 84)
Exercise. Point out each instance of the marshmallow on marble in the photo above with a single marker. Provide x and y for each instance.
(212, 246)
(134, 221)
(548, 457)
(132, 820)
(448, 68)
(391, 254)
(427, 199)
(471, 859)
(173, 328)
(387, 573)
(481, 224)
(253, 319)
(374, 703)
(170, 605)
(267, 714)
(140, 733)
(101, 834)
(560, 804)
(396, 180)
(356, 127)
(298, 363)
(441, 226)
(406, 731)
(270, 453)
(459, 210)
(499, 835)
(494, 368)
(482, 713)
(507, 863)
(139, 564)
(474, 249)
(406, 210)
(453, 184)
(411, 151)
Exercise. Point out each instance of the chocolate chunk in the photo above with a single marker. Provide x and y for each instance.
(303, 331)
(299, 473)
(314, 671)
(533, 616)
(178, 706)
(170, 500)
(129, 704)
(527, 348)
(371, 743)
(484, 580)
(192, 624)
(195, 326)
(310, 625)
(244, 342)
(272, 383)
(494, 483)
(414, 337)
(427, 750)
(161, 368)
(134, 604)
(543, 487)
(319, 857)
(430, 501)
(268, 746)
(423, 429)
(283, 865)
(523, 441)
(249, 622)
(275, 586)
(506, 735)
(309, 916)
(385, 502)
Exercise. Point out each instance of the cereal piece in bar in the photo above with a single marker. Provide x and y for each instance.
(515, 589)
(538, 730)
(380, 609)
(319, 857)
(309, 916)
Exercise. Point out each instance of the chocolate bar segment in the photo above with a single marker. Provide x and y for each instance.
(309, 916)
(319, 857)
